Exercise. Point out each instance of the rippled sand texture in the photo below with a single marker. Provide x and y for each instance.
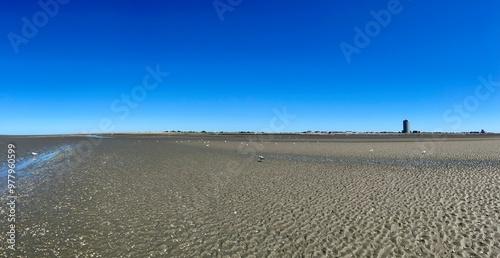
(153, 197)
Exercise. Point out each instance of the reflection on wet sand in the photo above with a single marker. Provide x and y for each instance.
(177, 197)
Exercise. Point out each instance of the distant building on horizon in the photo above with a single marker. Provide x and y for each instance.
(406, 126)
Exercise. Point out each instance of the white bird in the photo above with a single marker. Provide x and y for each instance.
(423, 152)
(34, 153)
(371, 150)
(260, 158)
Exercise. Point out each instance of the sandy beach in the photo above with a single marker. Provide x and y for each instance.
(208, 196)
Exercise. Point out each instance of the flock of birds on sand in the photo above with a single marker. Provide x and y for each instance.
(260, 158)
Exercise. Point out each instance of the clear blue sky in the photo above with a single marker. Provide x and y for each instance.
(230, 74)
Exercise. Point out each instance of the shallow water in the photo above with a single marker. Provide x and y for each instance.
(25, 166)
(387, 161)
(98, 136)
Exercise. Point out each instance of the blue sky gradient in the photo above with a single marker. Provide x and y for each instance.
(230, 74)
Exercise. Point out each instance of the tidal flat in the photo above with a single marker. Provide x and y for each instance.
(209, 196)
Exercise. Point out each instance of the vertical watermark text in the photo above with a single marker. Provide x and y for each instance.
(11, 197)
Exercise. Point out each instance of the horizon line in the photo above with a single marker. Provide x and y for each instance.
(251, 132)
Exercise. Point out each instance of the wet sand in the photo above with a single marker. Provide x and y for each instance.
(174, 196)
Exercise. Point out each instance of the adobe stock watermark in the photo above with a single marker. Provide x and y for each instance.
(277, 123)
(459, 112)
(223, 6)
(471, 103)
(31, 27)
(372, 29)
(122, 107)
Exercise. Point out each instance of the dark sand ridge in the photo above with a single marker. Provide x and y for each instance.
(149, 198)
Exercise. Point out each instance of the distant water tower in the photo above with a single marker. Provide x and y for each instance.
(406, 126)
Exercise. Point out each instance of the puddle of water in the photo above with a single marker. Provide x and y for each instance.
(98, 136)
(26, 166)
